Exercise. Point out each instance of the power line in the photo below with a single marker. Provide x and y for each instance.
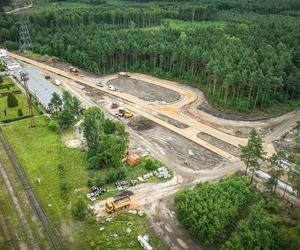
(25, 40)
(24, 78)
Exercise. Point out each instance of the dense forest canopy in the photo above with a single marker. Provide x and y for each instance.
(244, 54)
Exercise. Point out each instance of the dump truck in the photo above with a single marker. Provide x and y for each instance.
(117, 204)
(125, 113)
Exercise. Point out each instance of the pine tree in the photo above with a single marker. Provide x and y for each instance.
(12, 100)
(252, 153)
(276, 168)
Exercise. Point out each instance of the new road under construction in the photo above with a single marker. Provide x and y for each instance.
(157, 111)
(164, 118)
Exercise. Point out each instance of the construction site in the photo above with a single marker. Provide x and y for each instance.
(166, 120)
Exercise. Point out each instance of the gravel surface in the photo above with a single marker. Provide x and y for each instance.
(168, 142)
(227, 147)
(146, 91)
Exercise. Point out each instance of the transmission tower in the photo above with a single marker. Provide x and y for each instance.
(24, 78)
(25, 40)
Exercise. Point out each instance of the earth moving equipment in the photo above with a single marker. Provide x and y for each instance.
(123, 74)
(117, 204)
(125, 113)
(73, 70)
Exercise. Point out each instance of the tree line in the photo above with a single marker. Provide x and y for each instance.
(245, 64)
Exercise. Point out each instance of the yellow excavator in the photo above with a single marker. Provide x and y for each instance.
(125, 113)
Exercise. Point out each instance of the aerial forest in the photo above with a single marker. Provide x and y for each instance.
(245, 55)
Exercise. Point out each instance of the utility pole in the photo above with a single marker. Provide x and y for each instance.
(24, 78)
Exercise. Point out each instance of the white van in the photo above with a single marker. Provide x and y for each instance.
(112, 87)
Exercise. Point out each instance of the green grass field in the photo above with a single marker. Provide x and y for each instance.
(8, 209)
(13, 112)
(40, 157)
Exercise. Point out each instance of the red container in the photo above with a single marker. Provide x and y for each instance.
(133, 160)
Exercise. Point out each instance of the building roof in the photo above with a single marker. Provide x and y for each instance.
(9, 61)
(38, 85)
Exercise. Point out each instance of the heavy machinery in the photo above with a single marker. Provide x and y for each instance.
(73, 70)
(125, 113)
(123, 74)
(117, 204)
(114, 105)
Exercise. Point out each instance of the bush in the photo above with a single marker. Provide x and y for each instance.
(115, 174)
(1, 79)
(12, 100)
(151, 164)
(20, 112)
(61, 170)
(63, 188)
(52, 125)
(90, 182)
(15, 119)
(99, 181)
(78, 209)
(66, 119)
(90, 219)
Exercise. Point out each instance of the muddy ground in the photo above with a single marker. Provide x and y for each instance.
(172, 121)
(94, 93)
(288, 141)
(227, 147)
(232, 115)
(176, 146)
(144, 90)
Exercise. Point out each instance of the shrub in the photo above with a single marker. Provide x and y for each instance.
(52, 125)
(99, 181)
(63, 187)
(90, 182)
(78, 209)
(115, 174)
(1, 79)
(61, 170)
(150, 164)
(90, 219)
(66, 119)
(11, 100)
(20, 112)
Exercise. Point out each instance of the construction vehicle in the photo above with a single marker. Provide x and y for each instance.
(123, 74)
(72, 69)
(114, 105)
(117, 204)
(125, 113)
